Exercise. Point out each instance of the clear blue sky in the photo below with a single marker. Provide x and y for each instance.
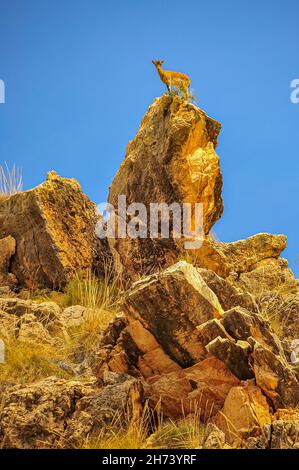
(79, 77)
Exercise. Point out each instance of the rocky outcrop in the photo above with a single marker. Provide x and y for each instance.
(170, 305)
(59, 413)
(242, 324)
(277, 380)
(245, 414)
(232, 260)
(200, 389)
(54, 229)
(171, 159)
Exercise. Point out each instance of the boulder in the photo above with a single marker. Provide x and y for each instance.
(170, 305)
(228, 295)
(234, 355)
(285, 429)
(230, 260)
(171, 159)
(54, 229)
(276, 379)
(269, 276)
(116, 406)
(200, 389)
(48, 314)
(74, 316)
(35, 416)
(245, 414)
(242, 324)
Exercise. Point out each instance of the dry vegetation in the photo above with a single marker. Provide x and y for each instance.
(151, 431)
(27, 362)
(11, 181)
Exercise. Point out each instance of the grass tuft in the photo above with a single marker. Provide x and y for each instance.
(11, 181)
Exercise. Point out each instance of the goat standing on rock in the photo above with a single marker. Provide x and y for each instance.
(175, 79)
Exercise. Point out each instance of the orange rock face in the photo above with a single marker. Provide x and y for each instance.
(245, 413)
(200, 389)
(171, 159)
(54, 229)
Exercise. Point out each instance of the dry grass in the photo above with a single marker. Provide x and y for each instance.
(26, 362)
(150, 432)
(11, 181)
(278, 309)
(91, 292)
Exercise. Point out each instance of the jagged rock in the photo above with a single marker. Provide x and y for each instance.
(170, 305)
(241, 324)
(230, 260)
(118, 404)
(7, 250)
(134, 351)
(201, 388)
(284, 312)
(244, 255)
(228, 295)
(285, 430)
(211, 330)
(171, 159)
(54, 228)
(59, 413)
(213, 437)
(46, 313)
(245, 414)
(269, 276)
(36, 415)
(234, 356)
(276, 379)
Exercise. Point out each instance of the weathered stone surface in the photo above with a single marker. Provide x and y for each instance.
(213, 438)
(201, 388)
(35, 416)
(127, 347)
(285, 429)
(211, 330)
(58, 413)
(46, 313)
(115, 406)
(244, 255)
(269, 276)
(245, 414)
(171, 159)
(7, 250)
(275, 378)
(283, 310)
(241, 324)
(228, 295)
(230, 260)
(234, 356)
(54, 228)
(34, 332)
(170, 305)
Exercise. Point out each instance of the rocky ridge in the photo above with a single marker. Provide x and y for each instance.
(203, 333)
